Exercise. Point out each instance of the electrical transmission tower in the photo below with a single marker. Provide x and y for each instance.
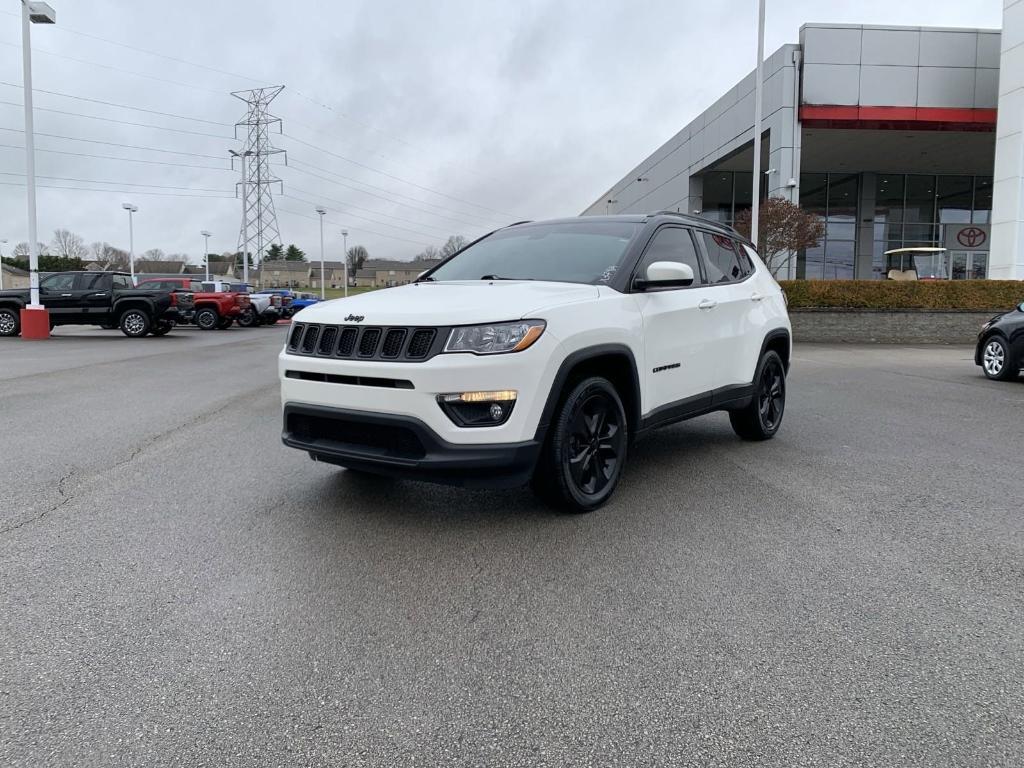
(259, 220)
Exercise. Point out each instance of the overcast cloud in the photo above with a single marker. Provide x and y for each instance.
(513, 110)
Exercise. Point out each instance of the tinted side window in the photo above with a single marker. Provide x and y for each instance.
(61, 282)
(672, 244)
(723, 263)
(122, 281)
(91, 281)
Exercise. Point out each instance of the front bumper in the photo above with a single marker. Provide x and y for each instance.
(403, 446)
(171, 314)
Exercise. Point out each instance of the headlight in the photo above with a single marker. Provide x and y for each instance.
(496, 338)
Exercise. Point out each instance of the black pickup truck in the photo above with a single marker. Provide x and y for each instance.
(107, 299)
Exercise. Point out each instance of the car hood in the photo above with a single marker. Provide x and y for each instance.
(449, 303)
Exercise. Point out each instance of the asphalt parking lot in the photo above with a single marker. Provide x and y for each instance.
(180, 589)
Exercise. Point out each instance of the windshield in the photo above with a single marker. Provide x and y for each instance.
(570, 252)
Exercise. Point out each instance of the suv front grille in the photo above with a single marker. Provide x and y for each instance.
(394, 344)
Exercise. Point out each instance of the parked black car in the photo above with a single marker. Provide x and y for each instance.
(1000, 350)
(106, 299)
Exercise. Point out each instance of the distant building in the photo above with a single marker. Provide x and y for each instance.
(381, 273)
(282, 274)
(14, 277)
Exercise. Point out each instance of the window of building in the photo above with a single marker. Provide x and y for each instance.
(955, 198)
(833, 196)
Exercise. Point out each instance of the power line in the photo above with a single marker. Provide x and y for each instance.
(361, 229)
(318, 199)
(118, 191)
(121, 183)
(301, 166)
(123, 122)
(119, 106)
(36, 50)
(124, 159)
(392, 176)
(115, 144)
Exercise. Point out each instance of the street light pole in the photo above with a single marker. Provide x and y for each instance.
(2, 243)
(32, 13)
(245, 213)
(758, 109)
(131, 238)
(323, 293)
(344, 238)
(206, 252)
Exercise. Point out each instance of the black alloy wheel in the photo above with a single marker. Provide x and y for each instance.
(582, 461)
(760, 420)
(162, 328)
(207, 318)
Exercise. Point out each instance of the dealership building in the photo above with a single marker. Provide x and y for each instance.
(890, 134)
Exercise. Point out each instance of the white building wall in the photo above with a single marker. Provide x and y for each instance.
(1006, 258)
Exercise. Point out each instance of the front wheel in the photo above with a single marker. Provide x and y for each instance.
(134, 323)
(995, 359)
(247, 319)
(10, 322)
(761, 419)
(582, 459)
(224, 323)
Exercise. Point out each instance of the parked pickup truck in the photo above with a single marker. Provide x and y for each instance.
(287, 296)
(213, 309)
(107, 299)
(263, 309)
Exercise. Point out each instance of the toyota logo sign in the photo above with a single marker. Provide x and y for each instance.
(970, 237)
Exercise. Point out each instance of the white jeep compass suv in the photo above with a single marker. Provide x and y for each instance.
(539, 352)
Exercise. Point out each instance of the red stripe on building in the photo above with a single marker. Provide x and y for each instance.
(898, 118)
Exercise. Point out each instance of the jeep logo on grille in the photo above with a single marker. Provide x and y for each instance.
(354, 319)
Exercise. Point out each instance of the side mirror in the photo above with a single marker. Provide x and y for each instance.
(665, 274)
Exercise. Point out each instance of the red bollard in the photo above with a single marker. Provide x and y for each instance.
(35, 323)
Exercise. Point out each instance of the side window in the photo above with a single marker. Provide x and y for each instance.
(672, 244)
(746, 263)
(122, 281)
(64, 281)
(91, 281)
(196, 286)
(723, 262)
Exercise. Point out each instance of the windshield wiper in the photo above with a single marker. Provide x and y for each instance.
(499, 277)
(426, 279)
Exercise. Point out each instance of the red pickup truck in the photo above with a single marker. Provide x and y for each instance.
(213, 309)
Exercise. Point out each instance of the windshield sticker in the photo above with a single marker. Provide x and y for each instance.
(608, 273)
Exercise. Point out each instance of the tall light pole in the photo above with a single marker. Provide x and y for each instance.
(131, 237)
(245, 212)
(323, 293)
(758, 108)
(344, 239)
(32, 13)
(206, 252)
(2, 243)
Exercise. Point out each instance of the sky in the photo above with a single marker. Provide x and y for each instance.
(408, 122)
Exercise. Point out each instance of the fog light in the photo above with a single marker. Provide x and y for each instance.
(478, 409)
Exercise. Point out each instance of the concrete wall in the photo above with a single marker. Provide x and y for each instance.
(866, 65)
(1006, 258)
(880, 326)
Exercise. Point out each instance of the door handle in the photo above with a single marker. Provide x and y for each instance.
(708, 304)
(65, 295)
(755, 296)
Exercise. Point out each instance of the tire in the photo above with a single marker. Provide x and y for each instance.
(108, 327)
(585, 451)
(206, 318)
(162, 328)
(10, 322)
(224, 323)
(134, 323)
(762, 418)
(247, 319)
(997, 360)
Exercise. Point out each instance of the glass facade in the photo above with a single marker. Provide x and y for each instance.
(833, 196)
(725, 193)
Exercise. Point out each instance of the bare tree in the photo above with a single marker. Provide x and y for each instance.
(453, 244)
(109, 257)
(21, 250)
(67, 245)
(153, 254)
(783, 228)
(430, 253)
(357, 256)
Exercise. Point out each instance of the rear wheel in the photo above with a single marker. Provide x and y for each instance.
(761, 419)
(10, 322)
(582, 459)
(134, 323)
(224, 323)
(207, 318)
(162, 328)
(996, 361)
(247, 319)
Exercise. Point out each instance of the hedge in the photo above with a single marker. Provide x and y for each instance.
(891, 294)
